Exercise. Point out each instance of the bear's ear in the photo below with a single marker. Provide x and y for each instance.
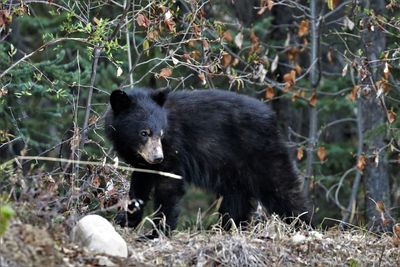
(160, 95)
(119, 101)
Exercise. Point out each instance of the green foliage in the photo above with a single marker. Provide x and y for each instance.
(6, 214)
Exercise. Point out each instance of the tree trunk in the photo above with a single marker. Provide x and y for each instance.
(376, 176)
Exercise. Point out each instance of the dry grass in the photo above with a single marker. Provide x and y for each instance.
(272, 243)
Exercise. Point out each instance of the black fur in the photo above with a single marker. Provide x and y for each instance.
(222, 141)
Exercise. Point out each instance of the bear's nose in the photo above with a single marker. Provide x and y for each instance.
(158, 159)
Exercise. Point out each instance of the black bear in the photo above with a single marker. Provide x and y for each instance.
(221, 141)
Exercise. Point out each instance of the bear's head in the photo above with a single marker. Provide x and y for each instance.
(136, 123)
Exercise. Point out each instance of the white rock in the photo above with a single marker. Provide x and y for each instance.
(97, 234)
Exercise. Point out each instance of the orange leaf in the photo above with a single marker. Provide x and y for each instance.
(287, 87)
(197, 30)
(290, 77)
(93, 119)
(265, 4)
(304, 28)
(361, 162)
(353, 94)
(5, 17)
(321, 152)
(313, 100)
(153, 35)
(254, 39)
(292, 54)
(391, 116)
(300, 153)
(227, 36)
(143, 21)
(165, 72)
(226, 60)
(383, 84)
(298, 69)
(269, 93)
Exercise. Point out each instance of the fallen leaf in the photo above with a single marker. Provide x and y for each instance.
(143, 21)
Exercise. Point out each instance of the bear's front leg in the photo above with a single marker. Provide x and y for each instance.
(139, 192)
(168, 193)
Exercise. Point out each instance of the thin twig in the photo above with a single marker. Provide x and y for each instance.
(95, 163)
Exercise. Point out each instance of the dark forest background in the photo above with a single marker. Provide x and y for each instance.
(330, 69)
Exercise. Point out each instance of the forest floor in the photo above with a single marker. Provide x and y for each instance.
(272, 243)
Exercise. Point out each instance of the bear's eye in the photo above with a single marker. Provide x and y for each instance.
(145, 133)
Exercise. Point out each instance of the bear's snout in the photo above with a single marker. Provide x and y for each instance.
(152, 151)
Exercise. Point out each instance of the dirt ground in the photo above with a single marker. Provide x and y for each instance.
(267, 244)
